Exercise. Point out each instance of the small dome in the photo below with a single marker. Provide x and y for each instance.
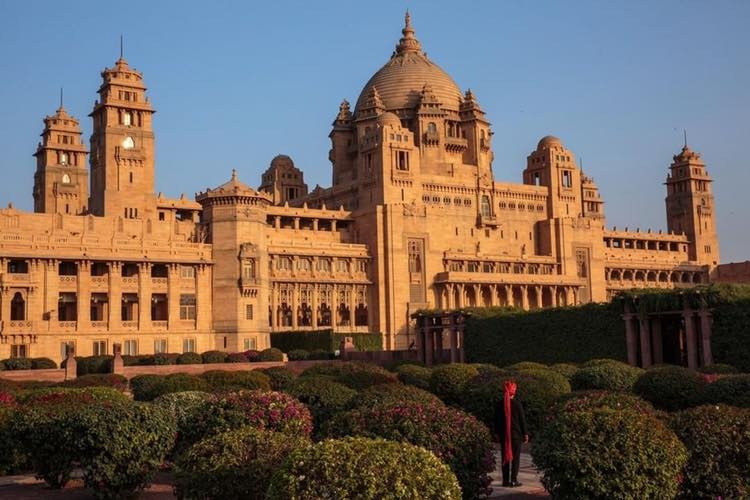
(547, 141)
(282, 161)
(389, 118)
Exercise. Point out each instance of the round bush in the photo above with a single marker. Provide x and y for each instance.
(166, 358)
(324, 397)
(392, 393)
(42, 364)
(148, 387)
(456, 438)
(271, 354)
(606, 375)
(600, 362)
(11, 454)
(234, 464)
(182, 406)
(718, 443)
(214, 357)
(94, 364)
(732, 390)
(16, 364)
(363, 468)
(252, 355)
(274, 411)
(605, 453)
(139, 360)
(320, 354)
(189, 358)
(279, 376)
(49, 395)
(527, 365)
(418, 376)
(113, 380)
(229, 381)
(718, 369)
(447, 381)
(592, 400)
(298, 355)
(352, 374)
(565, 369)
(670, 387)
(237, 357)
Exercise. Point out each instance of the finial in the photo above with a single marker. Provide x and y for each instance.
(408, 42)
(684, 131)
(234, 174)
(407, 19)
(61, 98)
(121, 48)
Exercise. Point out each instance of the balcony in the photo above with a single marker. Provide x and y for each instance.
(17, 326)
(159, 324)
(159, 284)
(129, 325)
(66, 326)
(456, 144)
(99, 282)
(68, 283)
(15, 280)
(99, 325)
(129, 283)
(488, 220)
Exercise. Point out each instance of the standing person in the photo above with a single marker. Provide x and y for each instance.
(510, 424)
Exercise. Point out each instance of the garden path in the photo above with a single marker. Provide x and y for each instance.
(528, 476)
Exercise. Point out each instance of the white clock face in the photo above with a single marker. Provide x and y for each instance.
(128, 143)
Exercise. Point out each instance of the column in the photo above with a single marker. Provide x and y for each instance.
(539, 297)
(277, 222)
(454, 342)
(352, 305)
(203, 291)
(428, 346)
(274, 305)
(460, 303)
(690, 339)
(144, 296)
(705, 319)
(333, 225)
(173, 296)
(645, 343)
(335, 307)
(525, 297)
(656, 340)
(296, 223)
(509, 302)
(448, 296)
(83, 296)
(52, 291)
(493, 295)
(630, 339)
(314, 306)
(553, 293)
(315, 224)
(115, 294)
(295, 303)
(478, 299)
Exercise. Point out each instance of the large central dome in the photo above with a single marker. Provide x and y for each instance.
(400, 81)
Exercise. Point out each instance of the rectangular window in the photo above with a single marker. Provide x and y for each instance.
(249, 344)
(99, 347)
(64, 345)
(567, 178)
(187, 306)
(187, 272)
(160, 346)
(248, 311)
(188, 345)
(248, 269)
(19, 351)
(130, 347)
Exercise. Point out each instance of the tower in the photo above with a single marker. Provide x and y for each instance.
(283, 181)
(122, 146)
(690, 206)
(553, 165)
(61, 178)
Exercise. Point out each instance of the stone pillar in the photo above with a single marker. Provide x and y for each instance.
(296, 223)
(83, 295)
(439, 343)
(277, 222)
(690, 338)
(314, 306)
(630, 339)
(352, 305)
(645, 343)
(333, 225)
(525, 297)
(203, 291)
(115, 294)
(460, 302)
(144, 296)
(315, 224)
(705, 319)
(428, 347)
(493, 296)
(274, 306)
(553, 294)
(656, 340)
(52, 291)
(539, 297)
(509, 301)
(117, 363)
(454, 342)
(173, 296)
(71, 367)
(294, 304)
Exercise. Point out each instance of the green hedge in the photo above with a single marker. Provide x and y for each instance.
(560, 335)
(325, 340)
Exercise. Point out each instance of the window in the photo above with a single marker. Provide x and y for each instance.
(415, 256)
(64, 346)
(187, 306)
(126, 118)
(66, 179)
(486, 210)
(248, 269)
(431, 128)
(249, 344)
(17, 307)
(362, 266)
(303, 264)
(248, 311)
(402, 160)
(188, 345)
(99, 347)
(130, 348)
(342, 266)
(63, 158)
(187, 272)
(324, 265)
(567, 178)
(161, 215)
(160, 346)
(19, 351)
(284, 263)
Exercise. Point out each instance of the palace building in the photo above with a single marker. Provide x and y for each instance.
(415, 218)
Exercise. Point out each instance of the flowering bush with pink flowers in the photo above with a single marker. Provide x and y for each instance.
(455, 437)
(270, 410)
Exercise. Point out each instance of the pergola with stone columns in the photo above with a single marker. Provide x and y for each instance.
(440, 336)
(523, 296)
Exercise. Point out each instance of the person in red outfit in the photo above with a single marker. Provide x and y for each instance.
(510, 425)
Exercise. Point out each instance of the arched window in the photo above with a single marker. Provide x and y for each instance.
(486, 210)
(431, 128)
(63, 158)
(17, 308)
(66, 179)
(127, 118)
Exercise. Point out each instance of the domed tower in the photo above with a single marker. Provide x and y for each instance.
(61, 178)
(283, 181)
(122, 146)
(690, 206)
(553, 165)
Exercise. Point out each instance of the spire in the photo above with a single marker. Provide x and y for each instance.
(408, 43)
(234, 174)
(61, 100)
(684, 131)
(344, 112)
(121, 49)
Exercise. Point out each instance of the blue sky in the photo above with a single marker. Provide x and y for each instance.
(235, 83)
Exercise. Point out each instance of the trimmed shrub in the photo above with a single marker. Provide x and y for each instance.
(447, 381)
(271, 354)
(17, 364)
(139, 360)
(183, 407)
(565, 369)
(718, 443)
(234, 464)
(189, 358)
(42, 364)
(527, 365)
(592, 400)
(605, 375)
(166, 358)
(279, 376)
(363, 468)
(93, 364)
(229, 381)
(320, 354)
(148, 387)
(252, 355)
(270, 410)
(418, 376)
(11, 454)
(209, 357)
(52, 394)
(718, 369)
(670, 387)
(324, 397)
(455, 437)
(352, 374)
(298, 355)
(605, 453)
(113, 380)
(324, 340)
(393, 393)
(237, 357)
(732, 390)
